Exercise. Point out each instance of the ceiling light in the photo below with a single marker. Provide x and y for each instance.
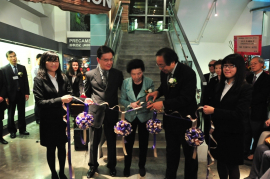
(216, 8)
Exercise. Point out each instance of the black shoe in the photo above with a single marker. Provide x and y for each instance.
(112, 172)
(12, 135)
(3, 141)
(25, 133)
(91, 172)
(127, 172)
(142, 172)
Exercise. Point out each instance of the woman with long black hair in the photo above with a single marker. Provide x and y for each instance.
(51, 90)
(228, 109)
(75, 77)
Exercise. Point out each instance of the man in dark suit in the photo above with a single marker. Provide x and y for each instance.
(16, 81)
(179, 97)
(3, 106)
(102, 84)
(258, 109)
(212, 73)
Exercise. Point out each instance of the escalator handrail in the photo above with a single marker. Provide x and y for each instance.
(188, 45)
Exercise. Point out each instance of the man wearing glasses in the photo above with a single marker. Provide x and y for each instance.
(102, 84)
(16, 81)
(212, 73)
(178, 85)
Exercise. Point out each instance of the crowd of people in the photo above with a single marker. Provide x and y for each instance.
(234, 101)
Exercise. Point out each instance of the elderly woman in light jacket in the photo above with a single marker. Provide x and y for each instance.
(133, 92)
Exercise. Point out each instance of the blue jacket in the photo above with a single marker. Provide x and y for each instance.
(128, 96)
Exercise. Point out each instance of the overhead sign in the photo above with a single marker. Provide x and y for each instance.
(81, 6)
(79, 43)
(248, 44)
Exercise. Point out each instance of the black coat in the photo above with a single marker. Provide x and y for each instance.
(207, 76)
(94, 89)
(228, 118)
(210, 90)
(3, 93)
(180, 98)
(260, 95)
(77, 85)
(52, 126)
(11, 84)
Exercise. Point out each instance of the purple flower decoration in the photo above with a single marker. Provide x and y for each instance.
(123, 128)
(194, 137)
(153, 126)
(84, 120)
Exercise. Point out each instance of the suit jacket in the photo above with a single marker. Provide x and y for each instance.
(3, 93)
(94, 89)
(180, 98)
(260, 95)
(12, 84)
(76, 86)
(52, 126)
(127, 97)
(228, 119)
(207, 76)
(210, 90)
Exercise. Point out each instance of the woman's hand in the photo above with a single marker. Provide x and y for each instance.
(208, 109)
(267, 123)
(135, 104)
(66, 98)
(89, 101)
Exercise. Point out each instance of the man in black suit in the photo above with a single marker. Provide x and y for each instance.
(179, 97)
(258, 109)
(212, 73)
(3, 106)
(16, 81)
(102, 84)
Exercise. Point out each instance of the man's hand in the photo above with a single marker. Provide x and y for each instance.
(89, 101)
(267, 123)
(135, 104)
(208, 109)
(1, 99)
(66, 98)
(26, 97)
(156, 106)
(153, 94)
(7, 101)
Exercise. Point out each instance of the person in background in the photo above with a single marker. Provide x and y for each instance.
(212, 73)
(228, 110)
(75, 77)
(133, 92)
(258, 107)
(34, 74)
(51, 90)
(16, 82)
(3, 106)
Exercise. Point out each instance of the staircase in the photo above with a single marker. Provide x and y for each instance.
(142, 45)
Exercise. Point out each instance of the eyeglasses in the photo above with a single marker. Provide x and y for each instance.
(228, 66)
(160, 66)
(53, 61)
(107, 60)
(211, 65)
(251, 64)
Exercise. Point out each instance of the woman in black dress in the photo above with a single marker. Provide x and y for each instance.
(75, 77)
(228, 109)
(51, 90)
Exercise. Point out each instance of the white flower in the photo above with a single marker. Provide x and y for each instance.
(150, 91)
(171, 80)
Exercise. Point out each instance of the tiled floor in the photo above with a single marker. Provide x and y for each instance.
(25, 158)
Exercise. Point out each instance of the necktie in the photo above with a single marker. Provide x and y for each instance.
(17, 81)
(104, 75)
(254, 79)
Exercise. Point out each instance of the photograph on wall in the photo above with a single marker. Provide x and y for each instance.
(79, 22)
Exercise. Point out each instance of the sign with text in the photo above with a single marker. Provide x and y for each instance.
(248, 44)
(82, 6)
(79, 43)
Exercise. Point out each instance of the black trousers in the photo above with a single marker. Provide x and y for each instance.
(175, 137)
(143, 143)
(20, 103)
(1, 129)
(94, 140)
(37, 113)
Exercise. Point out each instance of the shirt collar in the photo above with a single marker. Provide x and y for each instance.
(258, 75)
(13, 66)
(174, 68)
(226, 83)
(51, 77)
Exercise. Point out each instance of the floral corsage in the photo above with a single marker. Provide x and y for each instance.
(148, 91)
(20, 74)
(172, 82)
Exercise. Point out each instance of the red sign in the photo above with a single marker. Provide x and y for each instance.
(248, 44)
(81, 6)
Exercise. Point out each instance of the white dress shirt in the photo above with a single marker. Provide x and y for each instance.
(227, 87)
(54, 81)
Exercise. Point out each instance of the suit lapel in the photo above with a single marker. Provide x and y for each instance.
(142, 92)
(49, 83)
(259, 80)
(130, 91)
(98, 77)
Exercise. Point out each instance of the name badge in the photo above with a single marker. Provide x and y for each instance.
(15, 77)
